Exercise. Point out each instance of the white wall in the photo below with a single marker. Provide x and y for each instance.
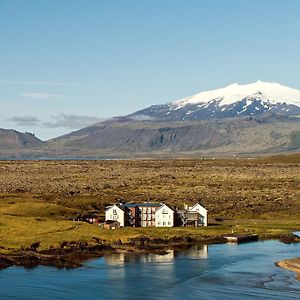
(119, 216)
(202, 211)
(164, 217)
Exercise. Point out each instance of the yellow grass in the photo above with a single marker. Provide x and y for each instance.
(19, 232)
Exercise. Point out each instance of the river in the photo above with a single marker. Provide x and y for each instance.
(224, 271)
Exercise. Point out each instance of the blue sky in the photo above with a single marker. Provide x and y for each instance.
(67, 63)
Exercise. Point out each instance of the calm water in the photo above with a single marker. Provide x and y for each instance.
(242, 271)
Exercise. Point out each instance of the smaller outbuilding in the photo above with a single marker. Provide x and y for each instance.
(111, 224)
(91, 219)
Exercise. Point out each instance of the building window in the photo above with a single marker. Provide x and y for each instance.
(164, 223)
(149, 210)
(149, 217)
(158, 223)
(114, 211)
(169, 223)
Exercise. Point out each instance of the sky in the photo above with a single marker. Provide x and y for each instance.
(66, 64)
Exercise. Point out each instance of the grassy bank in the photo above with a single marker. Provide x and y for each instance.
(17, 233)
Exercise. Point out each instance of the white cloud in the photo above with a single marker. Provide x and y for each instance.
(71, 121)
(24, 120)
(42, 96)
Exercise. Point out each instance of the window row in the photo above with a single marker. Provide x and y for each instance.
(164, 223)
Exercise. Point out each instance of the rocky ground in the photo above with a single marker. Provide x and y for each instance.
(225, 187)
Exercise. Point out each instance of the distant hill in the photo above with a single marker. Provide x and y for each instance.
(14, 140)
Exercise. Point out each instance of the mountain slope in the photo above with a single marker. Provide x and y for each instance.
(254, 119)
(255, 99)
(223, 137)
(14, 140)
(257, 118)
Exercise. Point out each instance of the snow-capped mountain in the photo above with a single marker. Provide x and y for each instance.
(265, 126)
(254, 99)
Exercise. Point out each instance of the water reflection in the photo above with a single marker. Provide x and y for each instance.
(120, 259)
(196, 252)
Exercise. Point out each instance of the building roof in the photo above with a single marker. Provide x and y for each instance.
(146, 204)
(198, 203)
(130, 205)
(162, 205)
(118, 205)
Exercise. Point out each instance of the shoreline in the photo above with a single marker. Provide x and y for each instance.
(74, 254)
(292, 264)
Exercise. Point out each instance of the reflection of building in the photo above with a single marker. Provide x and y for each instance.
(162, 258)
(122, 258)
(115, 259)
(156, 215)
(197, 251)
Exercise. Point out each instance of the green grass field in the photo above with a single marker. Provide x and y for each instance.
(18, 231)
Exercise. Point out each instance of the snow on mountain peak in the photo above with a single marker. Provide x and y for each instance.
(265, 91)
